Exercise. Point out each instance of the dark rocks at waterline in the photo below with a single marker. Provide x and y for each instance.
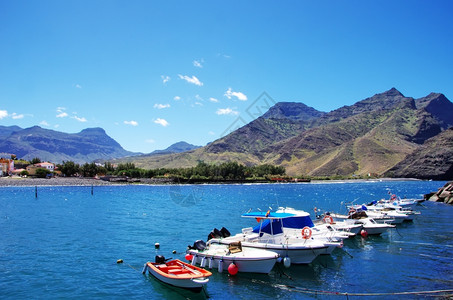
(444, 194)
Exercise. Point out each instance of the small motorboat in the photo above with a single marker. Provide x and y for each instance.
(370, 225)
(178, 273)
(232, 257)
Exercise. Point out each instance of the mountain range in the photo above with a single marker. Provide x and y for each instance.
(387, 134)
(49, 145)
(375, 136)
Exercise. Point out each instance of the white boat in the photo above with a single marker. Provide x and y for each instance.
(397, 201)
(221, 256)
(178, 273)
(380, 214)
(325, 227)
(323, 231)
(269, 235)
(370, 226)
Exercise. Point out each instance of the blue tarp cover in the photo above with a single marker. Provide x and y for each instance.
(298, 222)
(273, 226)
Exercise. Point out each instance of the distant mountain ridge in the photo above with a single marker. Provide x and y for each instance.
(369, 137)
(86, 146)
(175, 148)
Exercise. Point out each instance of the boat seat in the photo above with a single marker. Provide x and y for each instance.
(235, 247)
(178, 271)
(174, 267)
(247, 230)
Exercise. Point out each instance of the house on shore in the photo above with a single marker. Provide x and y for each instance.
(6, 166)
(31, 169)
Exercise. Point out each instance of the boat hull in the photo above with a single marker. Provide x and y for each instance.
(244, 265)
(248, 260)
(193, 282)
(298, 253)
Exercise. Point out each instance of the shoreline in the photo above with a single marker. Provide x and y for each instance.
(82, 181)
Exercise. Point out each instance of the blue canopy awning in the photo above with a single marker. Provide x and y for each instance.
(269, 226)
(267, 215)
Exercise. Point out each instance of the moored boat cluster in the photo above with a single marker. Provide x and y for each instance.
(290, 236)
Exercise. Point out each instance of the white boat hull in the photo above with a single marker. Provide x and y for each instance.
(247, 260)
(299, 253)
(244, 265)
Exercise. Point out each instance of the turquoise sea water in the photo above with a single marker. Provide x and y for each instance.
(65, 243)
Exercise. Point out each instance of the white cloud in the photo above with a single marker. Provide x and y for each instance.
(78, 86)
(132, 123)
(198, 103)
(61, 112)
(16, 116)
(229, 94)
(83, 120)
(193, 79)
(224, 55)
(198, 63)
(150, 141)
(3, 114)
(227, 111)
(161, 106)
(177, 98)
(62, 115)
(165, 78)
(44, 123)
(162, 122)
(213, 100)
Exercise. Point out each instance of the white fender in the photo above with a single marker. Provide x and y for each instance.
(220, 269)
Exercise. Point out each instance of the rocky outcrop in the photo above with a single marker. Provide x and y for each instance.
(444, 194)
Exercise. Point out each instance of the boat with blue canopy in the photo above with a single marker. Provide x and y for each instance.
(269, 235)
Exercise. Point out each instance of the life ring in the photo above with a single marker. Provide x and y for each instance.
(328, 219)
(306, 232)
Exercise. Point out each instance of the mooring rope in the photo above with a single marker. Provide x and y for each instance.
(322, 292)
(293, 288)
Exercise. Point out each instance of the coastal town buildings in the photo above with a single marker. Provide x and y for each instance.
(7, 167)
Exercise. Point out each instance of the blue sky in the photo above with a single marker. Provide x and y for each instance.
(152, 73)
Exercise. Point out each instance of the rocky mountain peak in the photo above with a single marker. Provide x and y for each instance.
(91, 131)
(294, 111)
(439, 106)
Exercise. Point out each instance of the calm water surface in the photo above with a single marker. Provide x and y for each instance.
(65, 243)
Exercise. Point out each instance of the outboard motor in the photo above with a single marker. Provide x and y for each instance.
(215, 234)
(199, 245)
(159, 259)
(225, 233)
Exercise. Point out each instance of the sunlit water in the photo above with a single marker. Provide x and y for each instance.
(66, 242)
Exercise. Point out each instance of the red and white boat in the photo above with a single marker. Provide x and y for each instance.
(178, 273)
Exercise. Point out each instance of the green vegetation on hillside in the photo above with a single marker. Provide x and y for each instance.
(202, 172)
